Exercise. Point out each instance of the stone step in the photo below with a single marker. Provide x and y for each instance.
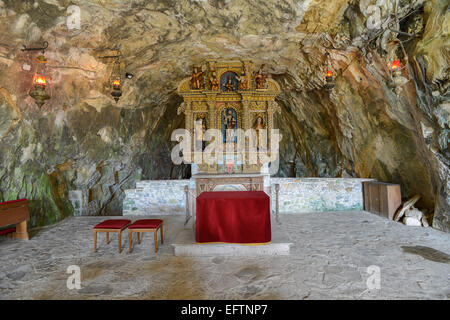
(185, 245)
(228, 249)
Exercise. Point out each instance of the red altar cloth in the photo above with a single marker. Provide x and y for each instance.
(233, 217)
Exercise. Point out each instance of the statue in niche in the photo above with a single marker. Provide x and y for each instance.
(229, 125)
(197, 78)
(259, 128)
(200, 129)
(229, 85)
(214, 82)
(260, 79)
(229, 81)
(243, 81)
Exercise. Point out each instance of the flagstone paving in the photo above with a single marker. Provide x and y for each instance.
(330, 257)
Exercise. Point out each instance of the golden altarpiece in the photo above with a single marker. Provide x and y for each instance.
(224, 95)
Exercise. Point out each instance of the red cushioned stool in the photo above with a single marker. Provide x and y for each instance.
(113, 225)
(146, 225)
(8, 232)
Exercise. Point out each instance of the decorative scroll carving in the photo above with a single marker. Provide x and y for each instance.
(249, 183)
(199, 106)
(258, 105)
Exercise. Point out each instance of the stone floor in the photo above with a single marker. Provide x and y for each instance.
(329, 260)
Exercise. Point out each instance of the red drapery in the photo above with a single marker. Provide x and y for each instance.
(233, 217)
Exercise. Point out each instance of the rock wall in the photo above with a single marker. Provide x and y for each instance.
(83, 143)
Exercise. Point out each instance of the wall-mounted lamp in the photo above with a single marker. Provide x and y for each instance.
(329, 76)
(395, 67)
(116, 78)
(38, 93)
(39, 80)
(116, 81)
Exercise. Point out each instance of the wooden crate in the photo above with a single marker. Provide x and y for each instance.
(382, 198)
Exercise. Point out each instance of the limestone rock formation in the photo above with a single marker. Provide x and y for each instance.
(82, 140)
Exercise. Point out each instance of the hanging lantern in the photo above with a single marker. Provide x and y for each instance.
(329, 76)
(397, 66)
(395, 69)
(40, 83)
(39, 80)
(116, 82)
(395, 73)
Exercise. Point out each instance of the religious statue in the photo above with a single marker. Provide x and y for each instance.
(243, 81)
(197, 78)
(230, 125)
(259, 130)
(200, 129)
(214, 83)
(260, 79)
(229, 85)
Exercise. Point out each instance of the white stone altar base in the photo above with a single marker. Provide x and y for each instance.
(185, 245)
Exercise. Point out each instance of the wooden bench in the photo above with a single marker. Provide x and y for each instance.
(15, 212)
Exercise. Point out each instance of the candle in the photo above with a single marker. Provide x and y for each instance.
(395, 64)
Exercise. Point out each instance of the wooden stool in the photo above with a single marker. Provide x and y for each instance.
(108, 226)
(146, 225)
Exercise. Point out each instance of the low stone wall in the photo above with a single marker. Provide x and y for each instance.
(296, 195)
(318, 194)
(155, 197)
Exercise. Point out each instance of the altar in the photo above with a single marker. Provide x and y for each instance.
(229, 107)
